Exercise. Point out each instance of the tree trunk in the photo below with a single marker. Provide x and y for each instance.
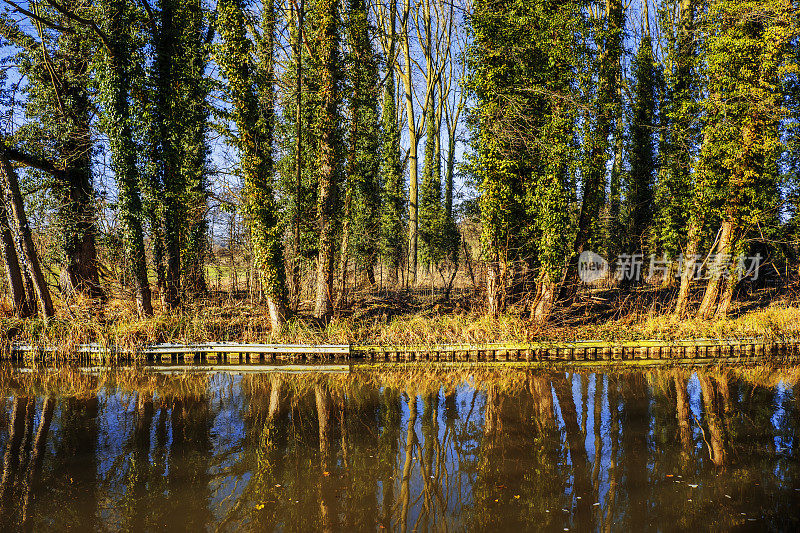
(22, 234)
(298, 148)
(344, 250)
(546, 291)
(716, 440)
(723, 249)
(35, 467)
(689, 263)
(413, 143)
(594, 183)
(123, 157)
(328, 51)
(682, 414)
(22, 307)
(497, 272)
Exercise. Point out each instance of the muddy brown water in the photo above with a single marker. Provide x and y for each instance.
(668, 449)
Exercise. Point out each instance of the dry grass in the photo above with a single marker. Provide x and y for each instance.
(377, 321)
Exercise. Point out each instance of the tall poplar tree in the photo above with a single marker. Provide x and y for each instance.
(522, 77)
(607, 34)
(679, 127)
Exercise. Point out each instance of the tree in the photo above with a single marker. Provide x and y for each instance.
(326, 67)
(363, 150)
(679, 125)
(391, 170)
(60, 108)
(115, 93)
(195, 39)
(521, 75)
(608, 41)
(746, 47)
(639, 186)
(21, 231)
(165, 180)
(254, 142)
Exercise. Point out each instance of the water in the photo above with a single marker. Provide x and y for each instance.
(665, 450)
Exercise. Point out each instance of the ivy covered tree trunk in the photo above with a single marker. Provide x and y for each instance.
(525, 146)
(747, 44)
(172, 210)
(430, 213)
(194, 147)
(64, 111)
(639, 186)
(391, 169)
(673, 194)
(327, 52)
(597, 141)
(363, 158)
(254, 141)
(123, 149)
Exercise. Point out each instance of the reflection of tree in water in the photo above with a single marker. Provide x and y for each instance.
(22, 461)
(537, 449)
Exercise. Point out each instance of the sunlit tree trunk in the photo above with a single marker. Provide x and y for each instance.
(22, 234)
(16, 286)
(327, 49)
(721, 260)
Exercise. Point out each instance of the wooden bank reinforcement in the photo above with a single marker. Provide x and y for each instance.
(539, 353)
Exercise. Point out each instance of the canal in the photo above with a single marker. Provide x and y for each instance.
(413, 449)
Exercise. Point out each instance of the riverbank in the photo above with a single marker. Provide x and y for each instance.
(242, 322)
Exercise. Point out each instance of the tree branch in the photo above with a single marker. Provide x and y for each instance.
(86, 22)
(40, 19)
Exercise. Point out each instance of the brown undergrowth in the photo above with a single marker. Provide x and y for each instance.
(393, 319)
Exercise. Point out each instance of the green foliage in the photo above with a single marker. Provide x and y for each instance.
(745, 52)
(304, 205)
(234, 56)
(679, 122)
(363, 152)
(114, 91)
(438, 234)
(522, 78)
(639, 186)
(59, 110)
(393, 195)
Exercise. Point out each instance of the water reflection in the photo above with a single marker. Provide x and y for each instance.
(667, 449)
